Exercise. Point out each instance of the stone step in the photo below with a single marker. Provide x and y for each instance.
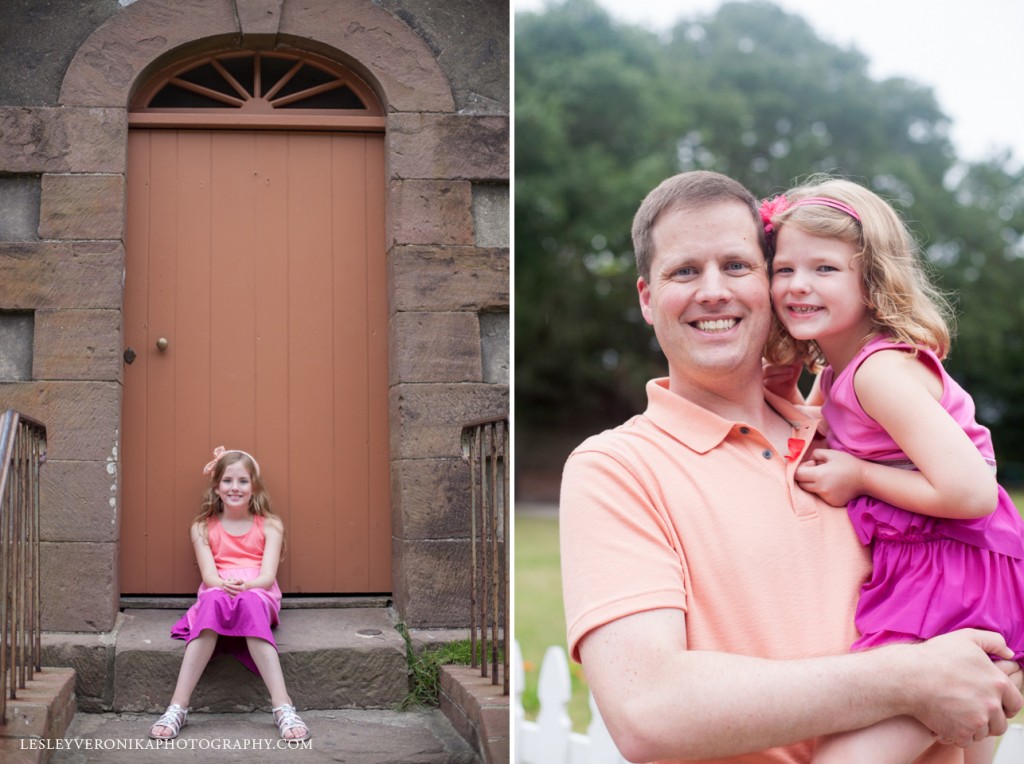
(331, 658)
(42, 711)
(359, 736)
(478, 709)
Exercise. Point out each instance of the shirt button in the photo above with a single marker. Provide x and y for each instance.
(766, 454)
(745, 430)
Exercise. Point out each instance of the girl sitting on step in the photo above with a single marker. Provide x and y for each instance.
(237, 540)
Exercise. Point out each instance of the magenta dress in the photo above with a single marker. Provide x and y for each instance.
(249, 614)
(930, 575)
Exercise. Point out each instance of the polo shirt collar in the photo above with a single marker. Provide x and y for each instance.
(702, 430)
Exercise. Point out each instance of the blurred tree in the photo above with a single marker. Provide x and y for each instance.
(979, 245)
(591, 140)
(604, 111)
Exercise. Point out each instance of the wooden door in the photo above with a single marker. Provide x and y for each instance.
(259, 257)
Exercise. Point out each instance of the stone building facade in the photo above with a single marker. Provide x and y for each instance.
(440, 71)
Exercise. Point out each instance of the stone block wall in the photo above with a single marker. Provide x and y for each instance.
(441, 70)
(62, 265)
(449, 280)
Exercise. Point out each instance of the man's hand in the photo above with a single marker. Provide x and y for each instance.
(834, 475)
(965, 697)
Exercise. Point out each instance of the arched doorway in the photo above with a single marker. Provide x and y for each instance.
(255, 313)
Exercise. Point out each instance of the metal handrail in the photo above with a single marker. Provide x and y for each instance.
(485, 446)
(22, 451)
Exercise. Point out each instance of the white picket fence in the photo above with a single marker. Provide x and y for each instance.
(1011, 747)
(550, 739)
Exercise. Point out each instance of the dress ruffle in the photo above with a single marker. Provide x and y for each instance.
(921, 589)
(998, 532)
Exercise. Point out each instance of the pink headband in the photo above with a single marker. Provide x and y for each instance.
(219, 451)
(772, 207)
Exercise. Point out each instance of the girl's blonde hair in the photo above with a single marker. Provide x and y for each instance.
(259, 502)
(902, 300)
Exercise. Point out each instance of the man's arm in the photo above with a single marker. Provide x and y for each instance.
(660, 700)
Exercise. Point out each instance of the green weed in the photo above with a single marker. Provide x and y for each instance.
(425, 668)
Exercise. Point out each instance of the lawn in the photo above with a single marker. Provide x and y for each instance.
(539, 619)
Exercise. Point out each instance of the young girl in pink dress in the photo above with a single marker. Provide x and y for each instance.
(237, 540)
(849, 291)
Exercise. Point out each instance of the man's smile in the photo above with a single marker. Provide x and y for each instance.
(715, 325)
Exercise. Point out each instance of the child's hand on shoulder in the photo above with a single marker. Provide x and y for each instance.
(782, 381)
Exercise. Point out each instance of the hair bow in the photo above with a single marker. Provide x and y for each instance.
(219, 451)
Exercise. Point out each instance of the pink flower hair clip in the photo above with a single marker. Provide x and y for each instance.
(770, 208)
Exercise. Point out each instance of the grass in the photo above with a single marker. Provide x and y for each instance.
(425, 669)
(540, 620)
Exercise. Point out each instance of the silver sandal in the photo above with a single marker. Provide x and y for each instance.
(289, 720)
(174, 718)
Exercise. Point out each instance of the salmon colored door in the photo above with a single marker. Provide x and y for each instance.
(256, 310)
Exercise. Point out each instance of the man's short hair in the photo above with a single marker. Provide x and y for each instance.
(688, 190)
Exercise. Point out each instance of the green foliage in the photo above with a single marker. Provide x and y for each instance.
(425, 668)
(605, 111)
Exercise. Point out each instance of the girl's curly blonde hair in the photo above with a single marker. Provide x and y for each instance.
(902, 300)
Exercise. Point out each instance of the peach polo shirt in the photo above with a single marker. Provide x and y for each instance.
(680, 508)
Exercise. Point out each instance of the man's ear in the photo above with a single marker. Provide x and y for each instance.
(644, 292)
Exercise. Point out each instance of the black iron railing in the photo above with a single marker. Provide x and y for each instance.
(22, 451)
(485, 446)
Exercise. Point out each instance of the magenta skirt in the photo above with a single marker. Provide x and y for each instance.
(921, 589)
(252, 613)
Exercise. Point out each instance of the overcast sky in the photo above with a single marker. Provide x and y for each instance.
(971, 54)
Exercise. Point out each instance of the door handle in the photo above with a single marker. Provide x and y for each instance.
(130, 355)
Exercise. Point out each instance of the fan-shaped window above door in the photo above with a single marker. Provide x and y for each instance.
(260, 89)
